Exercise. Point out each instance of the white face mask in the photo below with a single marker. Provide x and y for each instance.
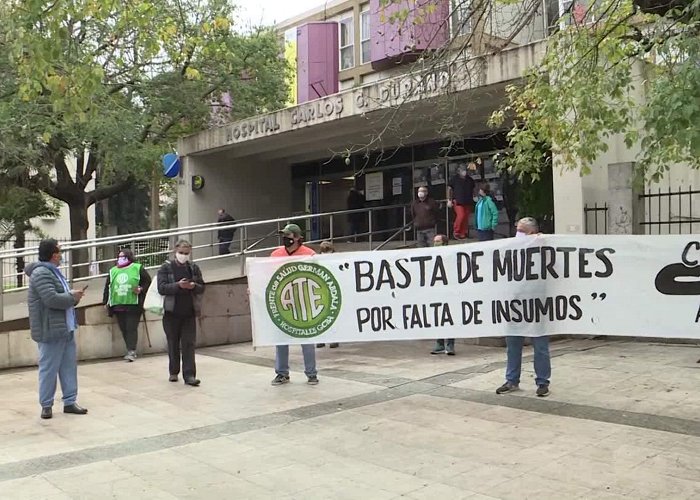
(182, 258)
(422, 195)
(520, 234)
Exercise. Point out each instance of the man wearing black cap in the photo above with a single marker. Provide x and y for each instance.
(293, 246)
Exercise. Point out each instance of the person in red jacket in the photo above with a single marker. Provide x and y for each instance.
(293, 246)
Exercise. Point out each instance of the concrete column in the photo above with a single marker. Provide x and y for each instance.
(568, 201)
(625, 207)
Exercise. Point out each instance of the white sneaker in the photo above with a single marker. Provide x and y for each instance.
(130, 356)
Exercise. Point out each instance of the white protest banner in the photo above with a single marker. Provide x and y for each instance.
(647, 286)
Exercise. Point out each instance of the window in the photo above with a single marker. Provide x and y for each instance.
(365, 36)
(347, 44)
(461, 17)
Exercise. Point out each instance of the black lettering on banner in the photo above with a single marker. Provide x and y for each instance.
(549, 260)
(544, 308)
(426, 315)
(606, 262)
(359, 275)
(385, 276)
(363, 316)
(567, 251)
(439, 273)
(500, 312)
(404, 272)
(684, 256)
(530, 275)
(502, 267)
(697, 316)
(574, 302)
(518, 257)
(535, 310)
(471, 312)
(422, 260)
(583, 262)
(468, 267)
(379, 318)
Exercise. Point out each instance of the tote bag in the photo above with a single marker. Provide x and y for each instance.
(153, 302)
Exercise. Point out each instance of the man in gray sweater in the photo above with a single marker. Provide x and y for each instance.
(53, 324)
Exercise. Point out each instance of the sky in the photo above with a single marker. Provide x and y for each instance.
(273, 11)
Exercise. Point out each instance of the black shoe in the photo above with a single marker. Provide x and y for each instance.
(46, 413)
(320, 345)
(194, 382)
(450, 351)
(173, 378)
(312, 380)
(506, 388)
(334, 345)
(280, 379)
(75, 409)
(438, 350)
(542, 391)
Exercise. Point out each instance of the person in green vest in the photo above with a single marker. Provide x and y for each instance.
(125, 290)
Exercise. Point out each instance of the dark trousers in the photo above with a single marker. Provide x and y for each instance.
(129, 325)
(225, 246)
(181, 333)
(485, 235)
(355, 222)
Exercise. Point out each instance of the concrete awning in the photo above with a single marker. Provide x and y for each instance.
(415, 105)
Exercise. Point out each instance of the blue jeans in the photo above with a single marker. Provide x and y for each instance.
(543, 367)
(440, 343)
(282, 360)
(58, 359)
(425, 237)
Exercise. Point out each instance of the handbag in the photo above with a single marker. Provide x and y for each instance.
(153, 302)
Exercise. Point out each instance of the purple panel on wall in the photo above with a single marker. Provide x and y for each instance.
(403, 41)
(317, 61)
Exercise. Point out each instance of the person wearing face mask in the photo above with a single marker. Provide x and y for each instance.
(446, 346)
(486, 214)
(293, 246)
(460, 197)
(527, 227)
(424, 211)
(181, 285)
(124, 292)
(53, 324)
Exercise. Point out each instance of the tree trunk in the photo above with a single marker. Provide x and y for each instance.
(20, 241)
(155, 199)
(79, 259)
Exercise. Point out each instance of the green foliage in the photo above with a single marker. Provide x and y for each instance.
(114, 84)
(591, 85)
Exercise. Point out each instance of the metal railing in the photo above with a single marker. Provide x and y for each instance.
(91, 259)
(596, 218)
(671, 211)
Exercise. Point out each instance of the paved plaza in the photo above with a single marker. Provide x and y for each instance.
(387, 421)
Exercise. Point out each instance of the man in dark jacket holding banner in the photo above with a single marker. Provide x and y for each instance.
(53, 324)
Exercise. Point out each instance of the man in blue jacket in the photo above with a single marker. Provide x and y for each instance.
(53, 324)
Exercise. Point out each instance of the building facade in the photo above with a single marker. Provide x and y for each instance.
(377, 110)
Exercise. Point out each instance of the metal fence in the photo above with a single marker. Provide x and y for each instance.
(596, 218)
(671, 211)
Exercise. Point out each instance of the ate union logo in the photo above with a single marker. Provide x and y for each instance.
(303, 299)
